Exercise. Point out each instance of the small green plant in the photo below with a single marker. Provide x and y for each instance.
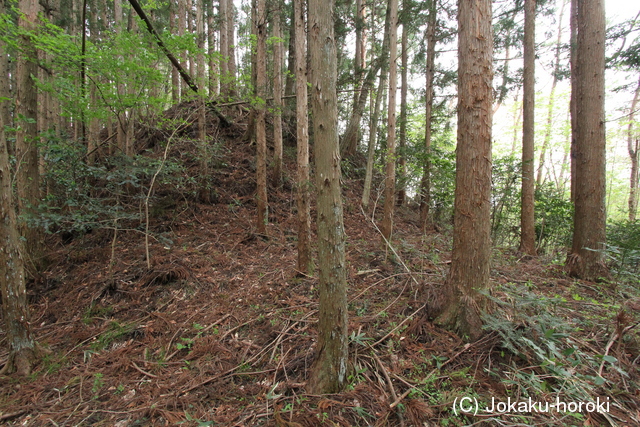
(359, 339)
(114, 332)
(98, 383)
(187, 343)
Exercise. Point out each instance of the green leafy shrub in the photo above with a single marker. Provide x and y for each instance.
(83, 197)
(505, 201)
(554, 218)
(623, 249)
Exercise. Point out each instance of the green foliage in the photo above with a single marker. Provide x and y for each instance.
(553, 210)
(85, 197)
(623, 249)
(443, 184)
(554, 218)
(505, 201)
(115, 332)
(531, 328)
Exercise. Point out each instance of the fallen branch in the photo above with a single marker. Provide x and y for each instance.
(137, 368)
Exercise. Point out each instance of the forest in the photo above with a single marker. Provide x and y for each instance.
(319, 213)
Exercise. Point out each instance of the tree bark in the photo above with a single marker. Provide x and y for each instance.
(191, 55)
(277, 98)
(289, 87)
(231, 48)
(15, 311)
(328, 372)
(302, 133)
(390, 169)
(27, 173)
(121, 137)
(425, 183)
(175, 77)
(261, 133)
(573, 45)
(224, 50)
(470, 259)
(586, 259)
(527, 219)
(632, 147)
(402, 143)
(201, 71)
(214, 82)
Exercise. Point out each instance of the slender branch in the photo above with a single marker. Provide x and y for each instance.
(185, 76)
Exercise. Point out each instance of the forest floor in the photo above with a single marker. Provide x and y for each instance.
(221, 329)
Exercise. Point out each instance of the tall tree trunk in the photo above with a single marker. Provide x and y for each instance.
(27, 172)
(573, 45)
(121, 119)
(632, 147)
(425, 183)
(390, 169)
(15, 311)
(130, 118)
(302, 133)
(349, 144)
(175, 77)
(261, 133)
(373, 136)
(350, 140)
(402, 144)
(289, 87)
(231, 46)
(470, 259)
(277, 97)
(552, 97)
(360, 47)
(527, 221)
(224, 49)
(202, 83)
(329, 370)
(191, 29)
(586, 260)
(214, 82)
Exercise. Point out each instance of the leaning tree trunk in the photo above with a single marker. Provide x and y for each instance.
(586, 259)
(471, 254)
(329, 370)
(527, 219)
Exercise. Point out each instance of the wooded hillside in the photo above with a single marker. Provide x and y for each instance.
(302, 213)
